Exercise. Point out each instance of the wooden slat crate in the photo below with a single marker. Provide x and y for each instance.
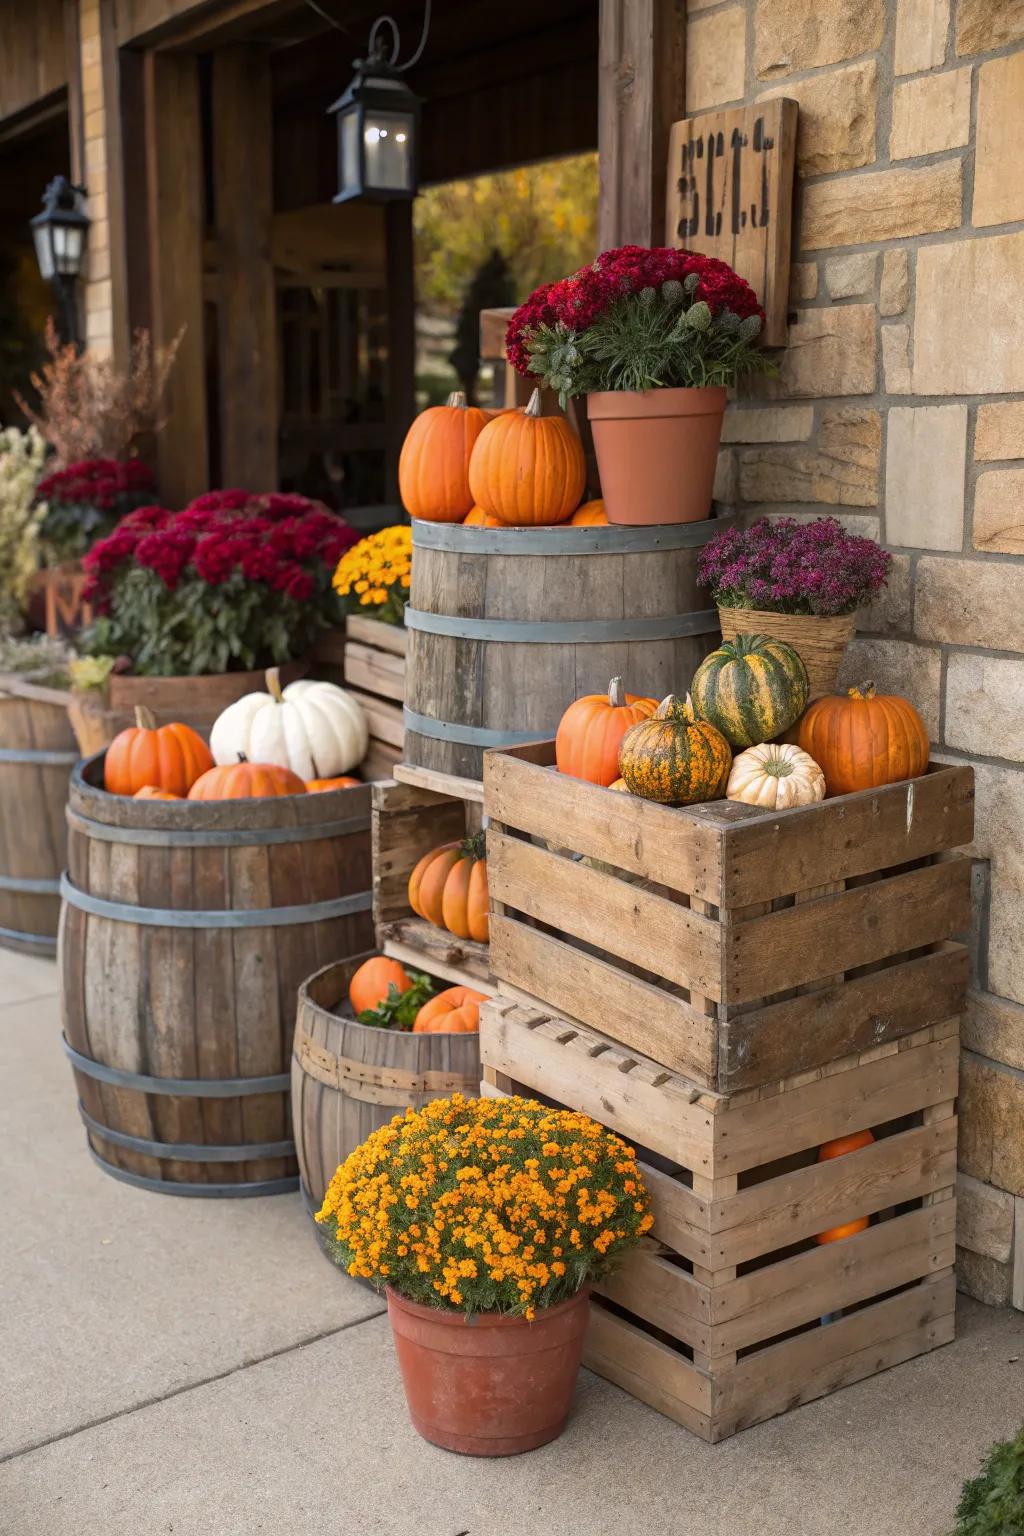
(368, 659)
(734, 945)
(407, 822)
(731, 1312)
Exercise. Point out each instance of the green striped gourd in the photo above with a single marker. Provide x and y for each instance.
(752, 688)
(675, 758)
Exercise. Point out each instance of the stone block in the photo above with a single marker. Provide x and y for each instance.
(724, 491)
(931, 113)
(891, 611)
(897, 666)
(968, 321)
(791, 35)
(921, 28)
(782, 424)
(984, 1219)
(895, 288)
(991, 1112)
(1017, 1298)
(994, 1027)
(999, 815)
(970, 602)
(836, 127)
(896, 367)
(983, 1278)
(985, 24)
(803, 281)
(830, 352)
(882, 205)
(999, 431)
(998, 183)
(999, 511)
(840, 469)
(924, 476)
(985, 705)
(850, 277)
(716, 59)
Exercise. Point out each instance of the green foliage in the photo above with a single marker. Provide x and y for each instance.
(399, 1009)
(490, 288)
(71, 528)
(992, 1504)
(40, 659)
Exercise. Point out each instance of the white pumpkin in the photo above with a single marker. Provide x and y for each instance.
(775, 775)
(315, 729)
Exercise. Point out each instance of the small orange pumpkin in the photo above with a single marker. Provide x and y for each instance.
(527, 469)
(591, 730)
(455, 1011)
(591, 515)
(478, 518)
(433, 466)
(318, 786)
(373, 980)
(168, 757)
(448, 887)
(839, 1148)
(246, 781)
(864, 740)
(153, 792)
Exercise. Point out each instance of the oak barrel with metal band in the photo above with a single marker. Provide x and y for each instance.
(187, 928)
(507, 626)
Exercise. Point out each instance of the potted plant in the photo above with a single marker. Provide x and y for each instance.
(653, 338)
(86, 501)
(484, 1221)
(798, 582)
(217, 593)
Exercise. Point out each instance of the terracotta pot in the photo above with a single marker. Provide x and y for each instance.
(489, 1385)
(656, 452)
(820, 642)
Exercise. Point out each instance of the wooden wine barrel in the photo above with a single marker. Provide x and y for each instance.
(508, 625)
(186, 931)
(37, 753)
(348, 1078)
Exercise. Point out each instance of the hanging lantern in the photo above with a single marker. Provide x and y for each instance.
(60, 231)
(378, 134)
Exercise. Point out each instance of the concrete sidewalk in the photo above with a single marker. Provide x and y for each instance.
(197, 1368)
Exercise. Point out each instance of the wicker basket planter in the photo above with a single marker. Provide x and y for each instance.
(821, 642)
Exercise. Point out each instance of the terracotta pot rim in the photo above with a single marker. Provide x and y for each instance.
(449, 1318)
(615, 404)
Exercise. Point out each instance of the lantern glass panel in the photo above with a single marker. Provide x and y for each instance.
(348, 146)
(388, 150)
(44, 251)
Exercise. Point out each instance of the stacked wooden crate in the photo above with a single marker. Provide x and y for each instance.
(730, 989)
(368, 658)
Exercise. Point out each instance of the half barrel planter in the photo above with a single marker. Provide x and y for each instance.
(37, 753)
(186, 932)
(507, 626)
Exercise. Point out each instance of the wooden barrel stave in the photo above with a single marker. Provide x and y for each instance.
(37, 753)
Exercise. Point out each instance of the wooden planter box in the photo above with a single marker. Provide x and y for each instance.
(368, 658)
(731, 1312)
(732, 945)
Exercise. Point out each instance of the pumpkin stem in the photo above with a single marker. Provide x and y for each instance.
(473, 847)
(144, 718)
(457, 400)
(532, 407)
(616, 693)
(865, 691)
(241, 757)
(273, 681)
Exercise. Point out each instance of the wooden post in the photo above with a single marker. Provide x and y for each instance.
(247, 309)
(174, 164)
(641, 74)
(401, 406)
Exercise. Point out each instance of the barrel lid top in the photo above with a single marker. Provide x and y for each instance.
(456, 538)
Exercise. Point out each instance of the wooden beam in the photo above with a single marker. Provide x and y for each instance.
(401, 404)
(174, 164)
(641, 75)
(76, 117)
(246, 313)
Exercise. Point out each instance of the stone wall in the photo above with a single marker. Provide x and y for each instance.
(900, 407)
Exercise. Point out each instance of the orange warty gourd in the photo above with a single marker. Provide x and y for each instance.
(152, 792)
(455, 1011)
(372, 981)
(864, 740)
(591, 730)
(448, 887)
(246, 781)
(527, 469)
(839, 1148)
(478, 518)
(433, 466)
(318, 786)
(591, 515)
(167, 757)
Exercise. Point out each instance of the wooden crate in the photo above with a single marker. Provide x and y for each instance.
(368, 659)
(730, 1312)
(733, 945)
(407, 822)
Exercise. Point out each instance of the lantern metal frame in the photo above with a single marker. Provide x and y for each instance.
(63, 210)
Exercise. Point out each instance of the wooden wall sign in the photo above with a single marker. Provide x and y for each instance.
(730, 195)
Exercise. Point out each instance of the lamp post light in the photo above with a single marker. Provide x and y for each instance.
(60, 233)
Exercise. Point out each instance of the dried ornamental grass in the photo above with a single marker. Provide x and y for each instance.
(486, 1205)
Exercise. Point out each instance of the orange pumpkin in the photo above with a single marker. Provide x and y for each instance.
(433, 466)
(373, 980)
(152, 792)
(591, 515)
(448, 887)
(246, 781)
(167, 757)
(839, 1148)
(318, 786)
(591, 730)
(527, 469)
(864, 740)
(478, 518)
(455, 1011)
